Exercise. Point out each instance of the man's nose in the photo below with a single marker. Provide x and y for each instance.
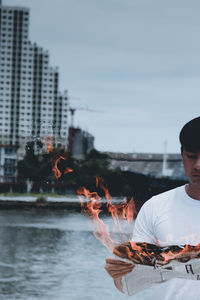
(197, 163)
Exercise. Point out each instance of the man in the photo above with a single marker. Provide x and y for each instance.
(171, 218)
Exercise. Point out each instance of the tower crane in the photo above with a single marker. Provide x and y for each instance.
(71, 127)
(74, 109)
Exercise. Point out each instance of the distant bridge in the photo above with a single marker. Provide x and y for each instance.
(158, 165)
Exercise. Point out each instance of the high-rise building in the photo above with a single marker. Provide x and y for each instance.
(31, 104)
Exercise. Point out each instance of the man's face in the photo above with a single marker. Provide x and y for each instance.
(191, 162)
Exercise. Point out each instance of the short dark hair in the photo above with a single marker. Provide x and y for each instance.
(190, 136)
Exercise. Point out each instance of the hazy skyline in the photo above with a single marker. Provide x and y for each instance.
(137, 60)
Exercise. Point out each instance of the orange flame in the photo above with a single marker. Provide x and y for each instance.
(56, 171)
(142, 255)
(68, 170)
(92, 207)
(48, 142)
(149, 254)
(139, 253)
(187, 253)
(124, 210)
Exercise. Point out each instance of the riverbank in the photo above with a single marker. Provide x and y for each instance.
(20, 204)
(45, 201)
(34, 196)
(42, 201)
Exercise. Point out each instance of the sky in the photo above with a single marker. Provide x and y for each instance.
(134, 63)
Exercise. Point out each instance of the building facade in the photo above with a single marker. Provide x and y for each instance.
(8, 163)
(31, 105)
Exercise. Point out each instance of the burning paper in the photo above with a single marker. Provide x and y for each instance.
(153, 255)
(154, 264)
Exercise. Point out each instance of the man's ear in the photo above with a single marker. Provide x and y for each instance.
(182, 150)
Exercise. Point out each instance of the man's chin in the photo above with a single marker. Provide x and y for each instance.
(196, 180)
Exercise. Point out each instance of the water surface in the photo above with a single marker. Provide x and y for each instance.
(53, 255)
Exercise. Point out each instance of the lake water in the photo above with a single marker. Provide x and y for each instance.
(53, 255)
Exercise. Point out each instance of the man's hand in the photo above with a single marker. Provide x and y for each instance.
(117, 269)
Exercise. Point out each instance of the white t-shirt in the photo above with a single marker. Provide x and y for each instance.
(171, 218)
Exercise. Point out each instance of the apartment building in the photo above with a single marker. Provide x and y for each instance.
(31, 105)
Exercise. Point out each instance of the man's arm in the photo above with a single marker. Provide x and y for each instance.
(117, 269)
(142, 233)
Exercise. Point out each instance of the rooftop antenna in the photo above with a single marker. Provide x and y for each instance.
(72, 112)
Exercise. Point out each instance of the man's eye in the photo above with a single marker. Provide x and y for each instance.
(191, 156)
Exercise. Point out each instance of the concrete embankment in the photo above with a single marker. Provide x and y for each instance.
(4, 204)
(70, 204)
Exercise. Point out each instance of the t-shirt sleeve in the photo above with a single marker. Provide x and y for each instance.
(143, 229)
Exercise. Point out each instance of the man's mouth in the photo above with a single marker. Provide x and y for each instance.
(196, 175)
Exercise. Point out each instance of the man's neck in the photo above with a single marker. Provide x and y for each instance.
(193, 190)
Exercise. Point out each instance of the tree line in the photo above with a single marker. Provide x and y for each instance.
(41, 168)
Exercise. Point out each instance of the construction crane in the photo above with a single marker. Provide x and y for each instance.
(71, 128)
(73, 110)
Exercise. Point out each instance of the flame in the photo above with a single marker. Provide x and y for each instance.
(123, 210)
(92, 207)
(183, 255)
(68, 170)
(149, 254)
(139, 253)
(136, 252)
(56, 171)
(142, 253)
(48, 141)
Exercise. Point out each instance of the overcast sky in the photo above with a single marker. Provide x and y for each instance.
(138, 61)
